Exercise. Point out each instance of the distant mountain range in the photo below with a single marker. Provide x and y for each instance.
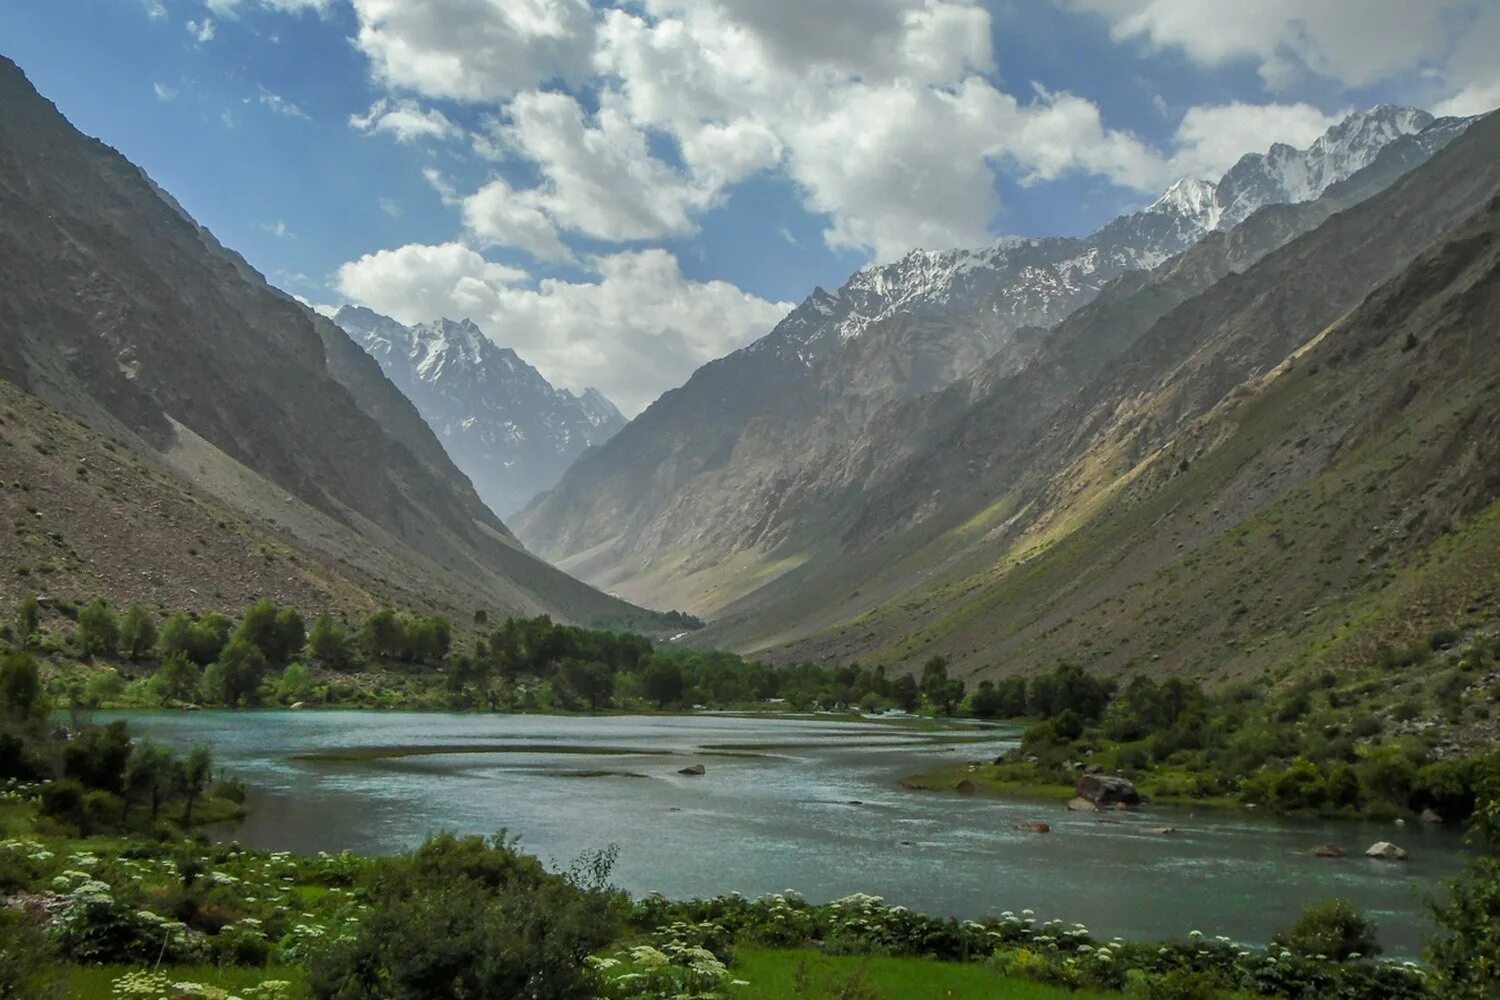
(502, 423)
(758, 465)
(181, 433)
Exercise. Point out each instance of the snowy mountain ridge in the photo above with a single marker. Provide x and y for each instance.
(1036, 281)
(505, 426)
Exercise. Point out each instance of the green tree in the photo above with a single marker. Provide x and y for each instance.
(941, 691)
(200, 640)
(98, 631)
(176, 679)
(328, 644)
(137, 632)
(905, 694)
(296, 682)
(985, 701)
(1466, 956)
(21, 694)
(192, 777)
(241, 667)
(593, 682)
(663, 682)
(148, 773)
(383, 635)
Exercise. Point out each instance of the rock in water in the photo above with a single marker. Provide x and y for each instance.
(1107, 790)
(1162, 831)
(1082, 806)
(1431, 816)
(966, 787)
(1385, 851)
(1032, 827)
(693, 769)
(1327, 851)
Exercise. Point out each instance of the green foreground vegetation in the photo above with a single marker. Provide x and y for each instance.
(108, 893)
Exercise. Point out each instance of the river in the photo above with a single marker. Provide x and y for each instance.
(792, 803)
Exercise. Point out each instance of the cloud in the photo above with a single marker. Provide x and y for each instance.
(155, 9)
(407, 120)
(1210, 139)
(639, 328)
(278, 229)
(391, 207)
(202, 31)
(280, 105)
(499, 215)
(1356, 42)
(163, 92)
(598, 176)
(475, 50)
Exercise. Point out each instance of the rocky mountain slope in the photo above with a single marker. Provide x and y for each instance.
(724, 484)
(504, 425)
(121, 312)
(1298, 464)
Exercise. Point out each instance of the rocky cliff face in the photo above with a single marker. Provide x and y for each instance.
(120, 310)
(715, 469)
(502, 423)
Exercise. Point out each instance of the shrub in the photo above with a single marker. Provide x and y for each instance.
(468, 917)
(1332, 929)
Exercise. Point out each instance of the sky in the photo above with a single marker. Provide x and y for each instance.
(622, 191)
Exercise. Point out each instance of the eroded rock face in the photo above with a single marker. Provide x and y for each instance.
(1107, 790)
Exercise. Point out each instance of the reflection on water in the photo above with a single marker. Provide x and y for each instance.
(794, 804)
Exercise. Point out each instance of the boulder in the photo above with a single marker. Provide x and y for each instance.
(1431, 816)
(693, 769)
(1162, 831)
(1108, 790)
(1385, 851)
(1327, 851)
(299, 704)
(1032, 827)
(966, 787)
(1082, 806)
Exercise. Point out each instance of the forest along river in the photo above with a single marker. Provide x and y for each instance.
(795, 803)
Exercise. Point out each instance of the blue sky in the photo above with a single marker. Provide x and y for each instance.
(625, 191)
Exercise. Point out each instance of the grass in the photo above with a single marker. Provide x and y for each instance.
(773, 974)
(92, 982)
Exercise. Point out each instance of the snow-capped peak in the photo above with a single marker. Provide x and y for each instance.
(1191, 198)
(501, 421)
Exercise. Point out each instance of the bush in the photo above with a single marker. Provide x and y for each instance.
(1331, 929)
(98, 631)
(26, 972)
(469, 917)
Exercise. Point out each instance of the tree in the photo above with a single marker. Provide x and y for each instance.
(941, 691)
(295, 683)
(986, 702)
(663, 682)
(176, 679)
(1466, 957)
(148, 772)
(199, 640)
(328, 644)
(28, 617)
(98, 631)
(593, 682)
(192, 778)
(290, 636)
(904, 693)
(383, 635)
(137, 632)
(241, 667)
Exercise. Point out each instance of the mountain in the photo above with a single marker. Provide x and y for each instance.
(121, 313)
(1294, 464)
(693, 504)
(504, 425)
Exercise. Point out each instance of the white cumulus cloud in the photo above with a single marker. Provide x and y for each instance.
(406, 120)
